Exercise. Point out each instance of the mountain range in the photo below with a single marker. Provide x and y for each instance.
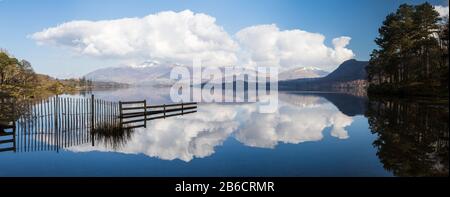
(150, 72)
(156, 73)
(302, 72)
(350, 73)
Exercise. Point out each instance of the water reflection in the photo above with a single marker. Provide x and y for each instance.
(197, 135)
(412, 136)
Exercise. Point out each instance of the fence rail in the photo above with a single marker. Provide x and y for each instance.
(7, 127)
(139, 112)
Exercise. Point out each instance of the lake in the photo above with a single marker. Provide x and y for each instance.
(310, 134)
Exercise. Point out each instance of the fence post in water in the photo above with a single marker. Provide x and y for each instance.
(92, 119)
(120, 113)
(14, 132)
(55, 111)
(145, 113)
(164, 107)
(14, 114)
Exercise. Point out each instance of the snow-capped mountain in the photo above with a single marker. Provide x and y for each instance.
(146, 73)
(157, 73)
(302, 72)
(145, 64)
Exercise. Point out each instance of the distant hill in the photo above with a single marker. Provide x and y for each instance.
(349, 70)
(302, 72)
(150, 72)
(350, 73)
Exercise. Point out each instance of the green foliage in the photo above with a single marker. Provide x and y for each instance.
(15, 73)
(18, 79)
(413, 53)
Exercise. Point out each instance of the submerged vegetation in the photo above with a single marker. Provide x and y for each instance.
(112, 134)
(412, 58)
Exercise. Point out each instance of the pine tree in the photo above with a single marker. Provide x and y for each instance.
(411, 42)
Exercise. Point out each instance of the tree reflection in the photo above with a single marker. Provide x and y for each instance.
(412, 136)
(11, 107)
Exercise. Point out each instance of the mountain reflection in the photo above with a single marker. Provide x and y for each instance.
(197, 135)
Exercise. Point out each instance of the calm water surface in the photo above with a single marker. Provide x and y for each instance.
(311, 134)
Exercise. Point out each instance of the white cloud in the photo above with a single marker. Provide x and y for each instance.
(178, 37)
(267, 45)
(442, 10)
(168, 36)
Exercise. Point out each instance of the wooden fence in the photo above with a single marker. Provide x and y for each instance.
(58, 122)
(7, 127)
(136, 113)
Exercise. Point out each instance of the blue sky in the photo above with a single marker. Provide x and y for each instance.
(358, 19)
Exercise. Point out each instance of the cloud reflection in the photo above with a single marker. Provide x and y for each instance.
(197, 135)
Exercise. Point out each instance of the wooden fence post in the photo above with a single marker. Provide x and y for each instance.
(55, 111)
(164, 106)
(14, 127)
(92, 119)
(145, 113)
(120, 113)
(15, 114)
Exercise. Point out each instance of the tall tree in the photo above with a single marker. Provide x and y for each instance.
(411, 45)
